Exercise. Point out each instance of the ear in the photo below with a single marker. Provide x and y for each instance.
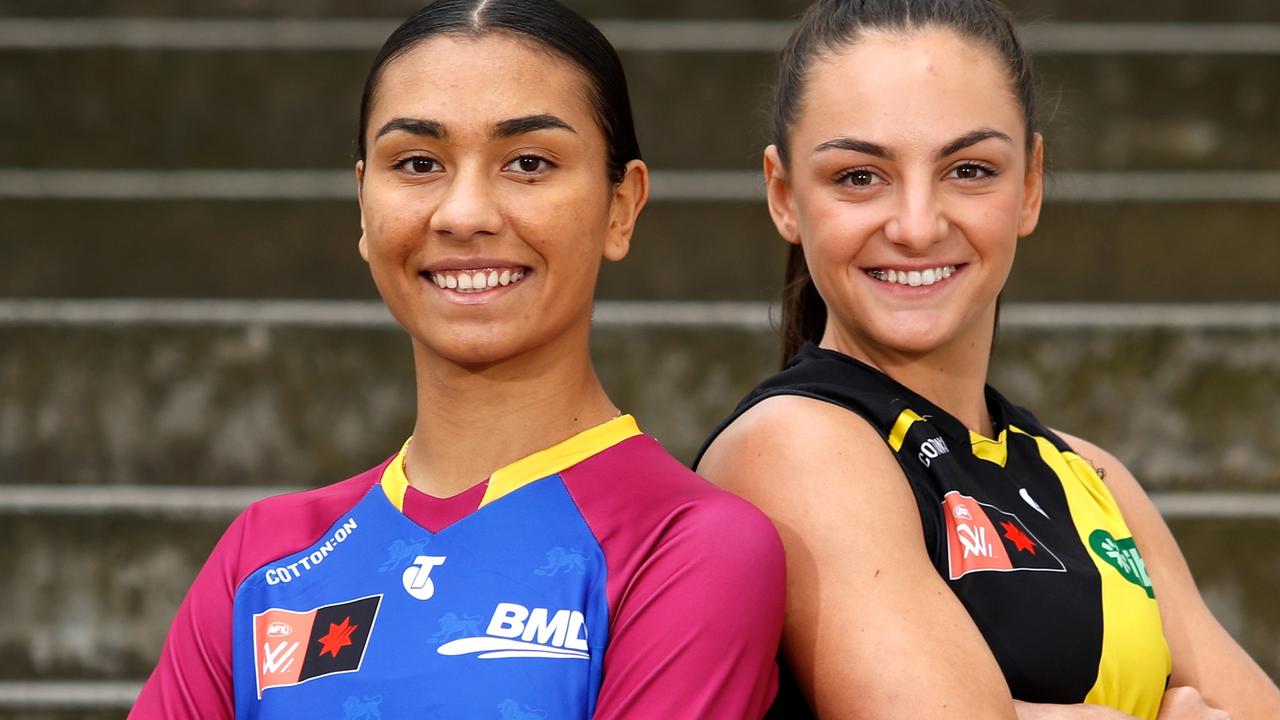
(629, 197)
(778, 192)
(1032, 188)
(363, 245)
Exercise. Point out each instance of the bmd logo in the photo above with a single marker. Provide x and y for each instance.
(516, 631)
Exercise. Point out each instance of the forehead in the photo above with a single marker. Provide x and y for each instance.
(462, 80)
(924, 86)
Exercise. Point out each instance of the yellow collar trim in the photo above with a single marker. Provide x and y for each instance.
(994, 451)
(533, 467)
(898, 434)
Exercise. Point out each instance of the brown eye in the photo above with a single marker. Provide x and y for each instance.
(529, 165)
(971, 171)
(422, 165)
(861, 178)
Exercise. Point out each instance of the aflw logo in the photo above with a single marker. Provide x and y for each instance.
(517, 631)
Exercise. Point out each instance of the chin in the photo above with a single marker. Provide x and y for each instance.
(913, 338)
(484, 348)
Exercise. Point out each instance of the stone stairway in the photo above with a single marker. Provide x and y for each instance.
(185, 324)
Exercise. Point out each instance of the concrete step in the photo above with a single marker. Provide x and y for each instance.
(210, 394)
(1092, 10)
(287, 109)
(1168, 11)
(91, 598)
(32, 705)
(713, 250)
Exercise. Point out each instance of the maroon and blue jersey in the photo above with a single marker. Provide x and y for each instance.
(597, 578)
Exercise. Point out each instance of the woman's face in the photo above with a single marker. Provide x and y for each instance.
(908, 185)
(485, 200)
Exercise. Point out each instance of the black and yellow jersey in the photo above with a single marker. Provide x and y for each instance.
(1022, 529)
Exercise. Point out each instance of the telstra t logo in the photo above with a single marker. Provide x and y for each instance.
(417, 577)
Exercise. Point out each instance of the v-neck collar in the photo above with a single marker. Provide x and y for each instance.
(510, 478)
(920, 408)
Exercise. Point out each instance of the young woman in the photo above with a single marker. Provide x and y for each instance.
(528, 553)
(948, 555)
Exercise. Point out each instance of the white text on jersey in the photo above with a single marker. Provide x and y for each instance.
(932, 448)
(287, 573)
(518, 631)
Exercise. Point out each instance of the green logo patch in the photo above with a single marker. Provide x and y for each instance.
(1122, 555)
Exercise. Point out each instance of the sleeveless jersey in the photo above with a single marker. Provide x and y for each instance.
(593, 580)
(1022, 529)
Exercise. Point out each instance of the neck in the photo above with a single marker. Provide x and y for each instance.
(952, 376)
(473, 420)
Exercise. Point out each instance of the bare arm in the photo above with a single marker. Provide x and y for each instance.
(871, 630)
(1205, 657)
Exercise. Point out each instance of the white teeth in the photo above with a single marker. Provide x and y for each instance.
(914, 278)
(475, 280)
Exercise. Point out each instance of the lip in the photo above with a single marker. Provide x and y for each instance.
(472, 263)
(919, 267)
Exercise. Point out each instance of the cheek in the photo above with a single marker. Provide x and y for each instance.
(991, 226)
(834, 232)
(560, 223)
(392, 222)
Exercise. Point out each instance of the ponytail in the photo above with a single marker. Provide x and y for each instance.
(804, 314)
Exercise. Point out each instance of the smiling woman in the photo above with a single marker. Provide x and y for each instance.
(528, 551)
(948, 555)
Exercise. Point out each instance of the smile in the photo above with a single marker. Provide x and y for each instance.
(914, 278)
(475, 281)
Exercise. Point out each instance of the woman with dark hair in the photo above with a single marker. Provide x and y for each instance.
(528, 553)
(948, 555)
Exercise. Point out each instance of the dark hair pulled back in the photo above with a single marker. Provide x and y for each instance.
(549, 25)
(830, 26)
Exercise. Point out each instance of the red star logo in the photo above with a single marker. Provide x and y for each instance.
(1018, 538)
(339, 637)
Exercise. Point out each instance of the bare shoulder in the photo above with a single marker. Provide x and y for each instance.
(810, 464)
(786, 431)
(859, 577)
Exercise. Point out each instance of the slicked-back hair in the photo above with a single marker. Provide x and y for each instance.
(832, 26)
(547, 24)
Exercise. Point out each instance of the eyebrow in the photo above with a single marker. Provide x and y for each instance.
(425, 128)
(867, 147)
(528, 124)
(855, 145)
(970, 139)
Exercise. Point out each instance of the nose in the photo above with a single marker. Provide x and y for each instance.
(917, 222)
(468, 206)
